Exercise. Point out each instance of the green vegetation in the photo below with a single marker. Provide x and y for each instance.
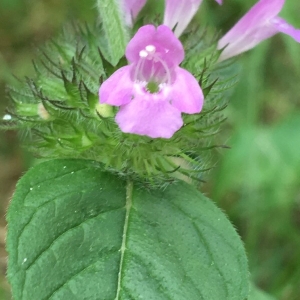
(256, 182)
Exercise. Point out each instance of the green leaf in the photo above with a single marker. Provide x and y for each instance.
(114, 28)
(257, 294)
(75, 232)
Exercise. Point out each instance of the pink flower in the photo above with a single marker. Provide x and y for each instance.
(152, 91)
(131, 9)
(258, 24)
(181, 12)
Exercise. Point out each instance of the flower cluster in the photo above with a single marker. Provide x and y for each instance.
(158, 112)
(59, 115)
(153, 91)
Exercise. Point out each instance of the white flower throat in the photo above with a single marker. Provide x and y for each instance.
(154, 76)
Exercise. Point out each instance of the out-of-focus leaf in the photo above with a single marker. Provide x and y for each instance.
(114, 28)
(257, 294)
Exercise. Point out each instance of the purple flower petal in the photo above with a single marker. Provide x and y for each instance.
(247, 41)
(258, 15)
(282, 26)
(251, 29)
(118, 88)
(131, 9)
(180, 12)
(152, 91)
(162, 38)
(186, 94)
(151, 115)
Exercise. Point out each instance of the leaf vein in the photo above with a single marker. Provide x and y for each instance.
(79, 272)
(179, 261)
(51, 179)
(151, 274)
(67, 231)
(206, 245)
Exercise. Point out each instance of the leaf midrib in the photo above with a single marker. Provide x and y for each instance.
(128, 205)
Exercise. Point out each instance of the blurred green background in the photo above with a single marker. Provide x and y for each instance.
(256, 182)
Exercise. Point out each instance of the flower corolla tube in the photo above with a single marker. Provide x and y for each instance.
(259, 23)
(131, 9)
(152, 91)
(179, 13)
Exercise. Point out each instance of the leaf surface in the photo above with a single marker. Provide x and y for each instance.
(75, 232)
(114, 28)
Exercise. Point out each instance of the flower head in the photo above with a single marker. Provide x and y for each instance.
(179, 13)
(152, 91)
(258, 24)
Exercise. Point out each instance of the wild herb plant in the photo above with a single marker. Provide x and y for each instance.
(125, 114)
